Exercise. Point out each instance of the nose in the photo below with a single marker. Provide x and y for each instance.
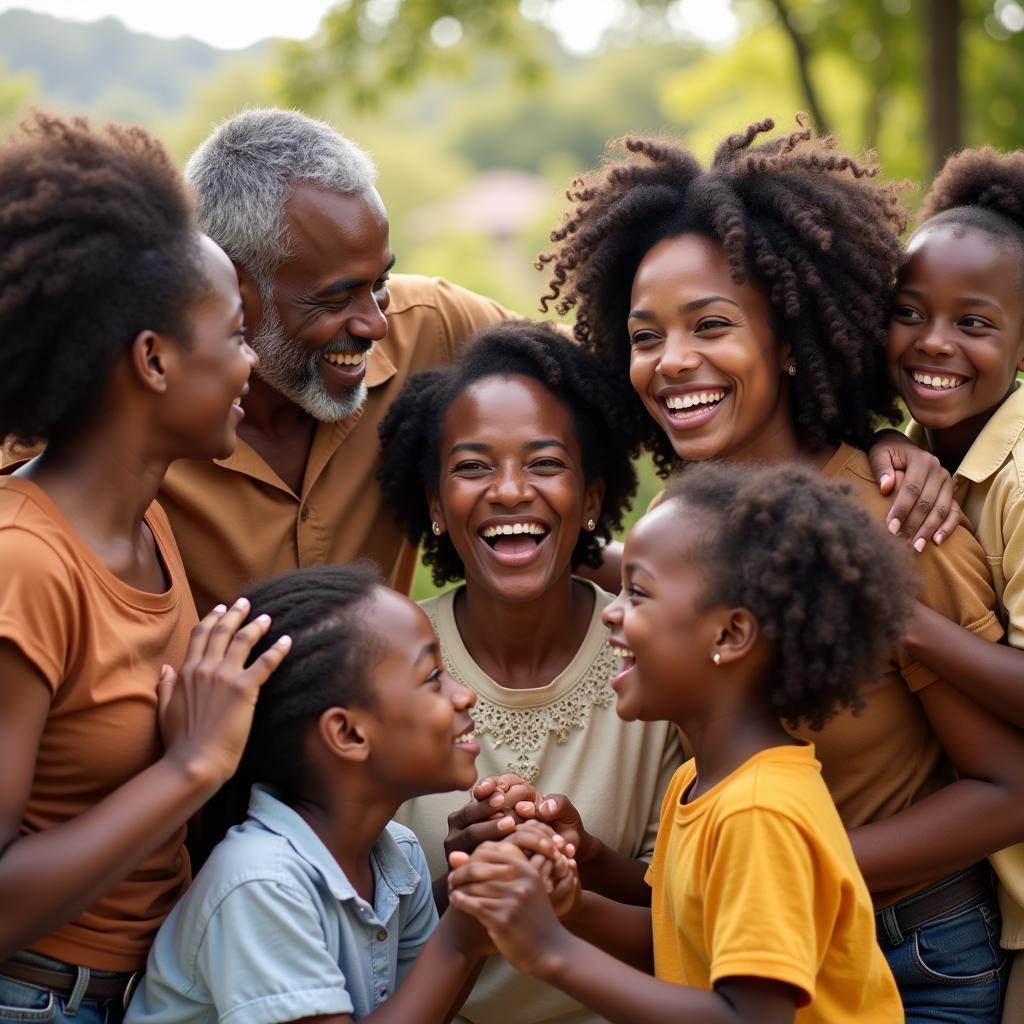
(612, 614)
(250, 354)
(678, 355)
(509, 486)
(934, 341)
(462, 697)
(370, 322)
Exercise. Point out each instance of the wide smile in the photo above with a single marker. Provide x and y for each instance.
(347, 368)
(933, 386)
(514, 542)
(236, 403)
(465, 741)
(628, 664)
(692, 409)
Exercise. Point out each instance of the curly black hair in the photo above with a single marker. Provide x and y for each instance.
(983, 189)
(97, 244)
(801, 220)
(328, 665)
(829, 587)
(411, 432)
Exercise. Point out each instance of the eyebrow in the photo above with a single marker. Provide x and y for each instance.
(347, 284)
(970, 300)
(427, 650)
(689, 307)
(479, 446)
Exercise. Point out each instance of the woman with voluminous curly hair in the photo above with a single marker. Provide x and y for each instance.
(745, 304)
(122, 348)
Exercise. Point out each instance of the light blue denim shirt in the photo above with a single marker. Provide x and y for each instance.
(273, 931)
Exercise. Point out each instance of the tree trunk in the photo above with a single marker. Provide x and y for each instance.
(942, 79)
(800, 51)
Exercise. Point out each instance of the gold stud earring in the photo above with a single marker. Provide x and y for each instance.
(716, 658)
(436, 529)
(590, 525)
(791, 369)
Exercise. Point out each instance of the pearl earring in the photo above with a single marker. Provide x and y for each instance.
(591, 524)
(716, 658)
(791, 369)
(436, 529)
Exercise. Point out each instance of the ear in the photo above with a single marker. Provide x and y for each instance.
(592, 499)
(434, 507)
(151, 356)
(736, 637)
(342, 733)
(252, 301)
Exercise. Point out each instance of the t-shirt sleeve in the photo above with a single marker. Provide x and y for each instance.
(463, 312)
(264, 959)
(767, 894)
(1013, 568)
(38, 603)
(671, 759)
(955, 582)
(419, 922)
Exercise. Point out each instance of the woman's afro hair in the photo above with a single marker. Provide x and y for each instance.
(829, 587)
(97, 244)
(412, 431)
(980, 188)
(803, 221)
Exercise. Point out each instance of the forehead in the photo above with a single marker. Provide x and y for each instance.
(664, 537)
(687, 262)
(963, 255)
(401, 627)
(335, 235)
(510, 406)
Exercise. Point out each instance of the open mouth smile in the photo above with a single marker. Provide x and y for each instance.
(687, 411)
(514, 542)
(935, 385)
(346, 367)
(628, 663)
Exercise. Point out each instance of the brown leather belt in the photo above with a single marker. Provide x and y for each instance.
(117, 986)
(941, 898)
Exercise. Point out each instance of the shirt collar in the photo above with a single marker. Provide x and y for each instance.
(379, 367)
(991, 447)
(276, 816)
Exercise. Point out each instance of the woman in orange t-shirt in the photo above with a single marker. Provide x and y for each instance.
(123, 349)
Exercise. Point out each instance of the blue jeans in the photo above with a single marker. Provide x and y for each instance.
(21, 1002)
(951, 968)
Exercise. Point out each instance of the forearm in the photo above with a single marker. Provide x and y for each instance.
(49, 877)
(620, 930)
(615, 876)
(990, 674)
(943, 833)
(436, 985)
(623, 994)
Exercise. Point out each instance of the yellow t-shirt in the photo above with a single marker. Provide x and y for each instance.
(756, 878)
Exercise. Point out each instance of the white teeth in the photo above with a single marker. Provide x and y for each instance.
(347, 358)
(936, 382)
(466, 737)
(510, 529)
(624, 653)
(697, 398)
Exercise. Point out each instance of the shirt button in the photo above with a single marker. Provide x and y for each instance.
(383, 992)
(382, 934)
(304, 513)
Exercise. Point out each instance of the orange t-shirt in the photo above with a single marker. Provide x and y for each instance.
(99, 644)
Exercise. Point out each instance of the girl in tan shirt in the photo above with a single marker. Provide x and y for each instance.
(122, 348)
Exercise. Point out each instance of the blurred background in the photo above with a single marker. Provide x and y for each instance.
(479, 112)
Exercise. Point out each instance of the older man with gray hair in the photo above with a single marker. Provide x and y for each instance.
(293, 204)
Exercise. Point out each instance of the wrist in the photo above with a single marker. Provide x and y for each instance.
(200, 774)
(591, 849)
(554, 955)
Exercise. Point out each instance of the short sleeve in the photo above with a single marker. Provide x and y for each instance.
(1013, 568)
(463, 312)
(264, 958)
(768, 894)
(38, 603)
(420, 920)
(955, 582)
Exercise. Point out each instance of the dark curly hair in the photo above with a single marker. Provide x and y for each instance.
(829, 587)
(97, 244)
(801, 220)
(332, 652)
(983, 189)
(411, 432)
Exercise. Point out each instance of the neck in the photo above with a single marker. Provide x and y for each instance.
(724, 740)
(348, 822)
(777, 441)
(952, 444)
(524, 644)
(271, 415)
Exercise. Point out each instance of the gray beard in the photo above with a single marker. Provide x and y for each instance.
(296, 374)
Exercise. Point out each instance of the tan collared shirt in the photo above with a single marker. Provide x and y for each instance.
(990, 488)
(236, 521)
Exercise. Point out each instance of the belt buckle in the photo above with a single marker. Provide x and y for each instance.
(130, 987)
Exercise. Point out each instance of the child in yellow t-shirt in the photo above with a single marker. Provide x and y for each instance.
(749, 596)
(955, 345)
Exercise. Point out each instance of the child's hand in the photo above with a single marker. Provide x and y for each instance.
(489, 816)
(923, 508)
(506, 895)
(549, 854)
(559, 812)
